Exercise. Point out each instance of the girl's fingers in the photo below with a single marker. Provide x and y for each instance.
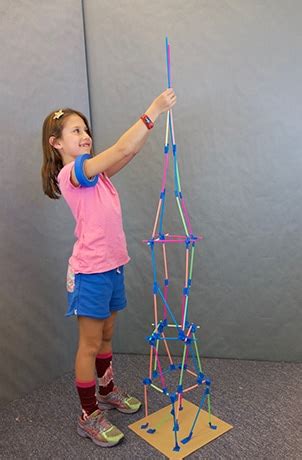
(169, 91)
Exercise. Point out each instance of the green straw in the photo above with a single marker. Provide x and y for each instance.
(186, 309)
(192, 258)
(156, 388)
(155, 361)
(197, 353)
(182, 366)
(178, 177)
(182, 216)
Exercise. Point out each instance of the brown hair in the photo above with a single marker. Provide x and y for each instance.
(52, 160)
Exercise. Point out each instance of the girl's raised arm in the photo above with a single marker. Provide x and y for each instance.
(130, 143)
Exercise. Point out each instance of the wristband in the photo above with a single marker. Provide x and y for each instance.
(148, 122)
(80, 174)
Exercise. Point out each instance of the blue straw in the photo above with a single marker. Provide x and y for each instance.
(168, 67)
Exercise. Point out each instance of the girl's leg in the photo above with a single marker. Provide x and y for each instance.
(106, 346)
(90, 339)
(110, 396)
(103, 360)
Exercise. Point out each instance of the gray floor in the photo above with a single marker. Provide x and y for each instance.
(262, 400)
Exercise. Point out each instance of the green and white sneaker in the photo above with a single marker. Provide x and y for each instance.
(119, 400)
(97, 428)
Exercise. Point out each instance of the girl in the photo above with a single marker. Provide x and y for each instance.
(95, 276)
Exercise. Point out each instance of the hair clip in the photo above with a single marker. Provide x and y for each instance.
(58, 114)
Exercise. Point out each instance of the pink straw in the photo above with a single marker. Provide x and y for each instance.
(150, 365)
(165, 241)
(166, 166)
(190, 388)
(146, 401)
(162, 379)
(191, 372)
(156, 218)
(167, 349)
(155, 310)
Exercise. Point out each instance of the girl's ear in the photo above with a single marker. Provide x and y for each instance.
(54, 142)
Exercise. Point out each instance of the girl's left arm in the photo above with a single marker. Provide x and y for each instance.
(119, 165)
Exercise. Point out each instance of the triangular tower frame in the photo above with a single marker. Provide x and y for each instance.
(185, 329)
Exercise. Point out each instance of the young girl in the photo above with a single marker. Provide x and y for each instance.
(95, 276)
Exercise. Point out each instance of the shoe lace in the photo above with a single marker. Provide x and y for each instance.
(119, 394)
(102, 422)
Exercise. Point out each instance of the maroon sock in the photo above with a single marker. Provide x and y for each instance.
(87, 396)
(103, 364)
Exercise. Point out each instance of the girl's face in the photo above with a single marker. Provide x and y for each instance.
(75, 139)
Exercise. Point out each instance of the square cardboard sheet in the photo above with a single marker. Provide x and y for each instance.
(164, 438)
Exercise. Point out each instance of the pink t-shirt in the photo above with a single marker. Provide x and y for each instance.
(101, 243)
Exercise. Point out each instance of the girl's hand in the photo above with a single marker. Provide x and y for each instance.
(165, 101)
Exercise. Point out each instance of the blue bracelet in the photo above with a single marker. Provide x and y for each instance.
(79, 171)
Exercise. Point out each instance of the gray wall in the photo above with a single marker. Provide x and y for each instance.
(43, 67)
(236, 68)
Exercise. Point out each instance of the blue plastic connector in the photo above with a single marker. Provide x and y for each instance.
(174, 147)
(166, 149)
(165, 390)
(200, 378)
(160, 328)
(151, 431)
(181, 335)
(179, 389)
(213, 427)
(188, 242)
(187, 439)
(176, 426)
(173, 397)
(166, 282)
(154, 374)
(155, 288)
(151, 340)
(208, 381)
(147, 381)
(143, 427)
(185, 291)
(172, 367)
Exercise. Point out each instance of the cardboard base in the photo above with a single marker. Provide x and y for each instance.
(164, 438)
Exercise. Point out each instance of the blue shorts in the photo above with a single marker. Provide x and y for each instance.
(96, 295)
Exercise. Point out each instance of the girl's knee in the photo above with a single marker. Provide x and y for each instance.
(90, 348)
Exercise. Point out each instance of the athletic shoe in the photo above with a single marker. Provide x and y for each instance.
(99, 429)
(119, 400)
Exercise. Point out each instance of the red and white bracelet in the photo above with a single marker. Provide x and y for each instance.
(148, 122)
